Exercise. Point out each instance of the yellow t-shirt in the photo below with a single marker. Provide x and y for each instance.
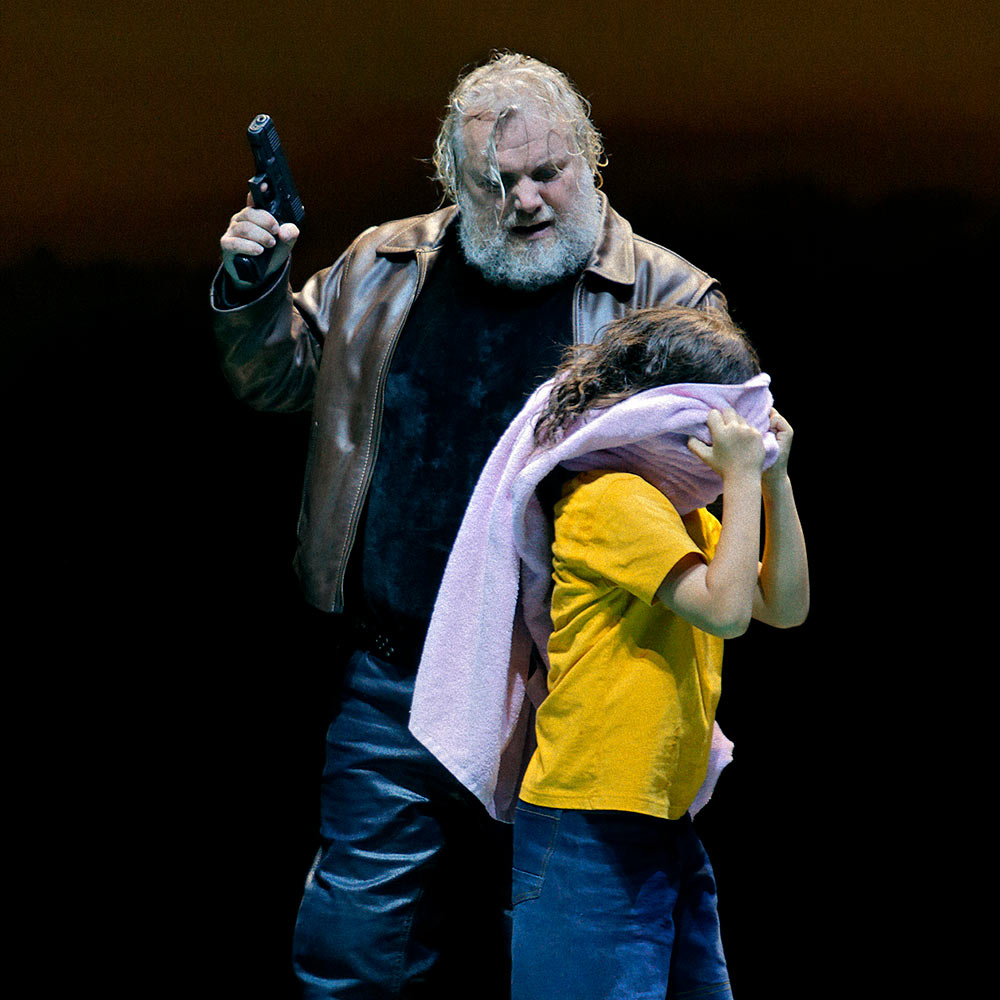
(633, 688)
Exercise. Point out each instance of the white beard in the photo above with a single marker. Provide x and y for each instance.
(528, 265)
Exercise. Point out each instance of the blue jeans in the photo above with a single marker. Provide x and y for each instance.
(613, 906)
(410, 895)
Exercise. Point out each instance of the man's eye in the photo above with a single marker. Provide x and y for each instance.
(488, 185)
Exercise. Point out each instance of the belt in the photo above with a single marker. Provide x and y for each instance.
(393, 647)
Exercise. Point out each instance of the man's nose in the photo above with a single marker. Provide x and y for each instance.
(526, 195)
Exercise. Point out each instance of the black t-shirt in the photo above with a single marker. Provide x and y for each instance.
(466, 361)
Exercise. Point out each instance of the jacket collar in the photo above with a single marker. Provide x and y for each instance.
(425, 232)
(612, 258)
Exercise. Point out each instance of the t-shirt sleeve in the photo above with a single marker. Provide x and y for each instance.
(704, 529)
(617, 527)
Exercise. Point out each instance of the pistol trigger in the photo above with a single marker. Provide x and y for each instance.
(258, 189)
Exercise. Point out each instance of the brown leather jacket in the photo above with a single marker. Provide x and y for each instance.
(330, 347)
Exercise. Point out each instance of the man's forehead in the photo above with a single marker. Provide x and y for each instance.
(531, 133)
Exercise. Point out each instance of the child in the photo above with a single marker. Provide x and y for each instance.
(613, 894)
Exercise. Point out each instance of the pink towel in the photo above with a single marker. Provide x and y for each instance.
(473, 699)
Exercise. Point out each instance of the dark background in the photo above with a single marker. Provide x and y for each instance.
(833, 164)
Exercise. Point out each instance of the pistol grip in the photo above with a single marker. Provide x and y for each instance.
(252, 269)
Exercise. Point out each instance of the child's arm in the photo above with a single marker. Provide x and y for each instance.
(782, 594)
(719, 597)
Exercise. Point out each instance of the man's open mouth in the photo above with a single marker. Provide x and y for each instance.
(534, 229)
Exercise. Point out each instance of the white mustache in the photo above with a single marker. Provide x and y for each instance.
(516, 221)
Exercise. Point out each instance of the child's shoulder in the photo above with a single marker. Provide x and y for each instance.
(623, 498)
(600, 486)
(620, 497)
(608, 521)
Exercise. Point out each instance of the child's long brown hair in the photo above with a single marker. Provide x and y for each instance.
(643, 350)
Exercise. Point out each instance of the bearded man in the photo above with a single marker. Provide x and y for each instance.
(414, 351)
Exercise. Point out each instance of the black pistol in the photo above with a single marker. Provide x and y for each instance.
(272, 189)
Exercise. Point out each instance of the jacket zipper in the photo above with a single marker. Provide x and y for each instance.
(577, 295)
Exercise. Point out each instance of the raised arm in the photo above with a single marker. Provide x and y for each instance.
(782, 595)
(269, 348)
(718, 597)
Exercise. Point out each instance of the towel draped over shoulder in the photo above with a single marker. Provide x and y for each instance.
(478, 680)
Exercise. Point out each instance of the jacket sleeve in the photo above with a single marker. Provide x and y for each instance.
(270, 348)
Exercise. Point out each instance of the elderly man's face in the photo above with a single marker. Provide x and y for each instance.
(538, 221)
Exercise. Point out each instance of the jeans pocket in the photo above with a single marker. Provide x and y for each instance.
(535, 830)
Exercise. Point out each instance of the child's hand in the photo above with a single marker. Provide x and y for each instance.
(783, 432)
(737, 447)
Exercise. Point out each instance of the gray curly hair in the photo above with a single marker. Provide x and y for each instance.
(502, 86)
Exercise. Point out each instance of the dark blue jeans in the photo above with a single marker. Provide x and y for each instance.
(613, 906)
(410, 896)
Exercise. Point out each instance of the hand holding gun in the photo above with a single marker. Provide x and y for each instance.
(261, 236)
